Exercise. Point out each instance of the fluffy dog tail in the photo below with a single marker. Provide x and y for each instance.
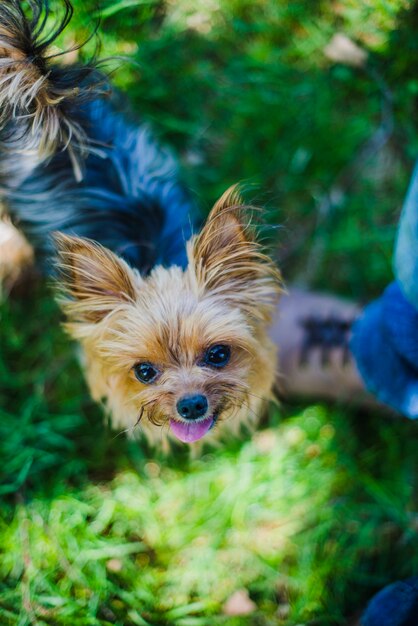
(37, 98)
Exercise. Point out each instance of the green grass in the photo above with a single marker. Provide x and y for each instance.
(316, 511)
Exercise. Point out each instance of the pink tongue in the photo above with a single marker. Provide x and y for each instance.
(191, 431)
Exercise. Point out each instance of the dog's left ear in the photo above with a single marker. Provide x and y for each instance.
(228, 261)
(92, 280)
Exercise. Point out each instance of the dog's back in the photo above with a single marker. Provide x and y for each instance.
(70, 159)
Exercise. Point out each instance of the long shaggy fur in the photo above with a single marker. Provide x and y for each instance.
(170, 318)
(33, 90)
(135, 284)
(71, 160)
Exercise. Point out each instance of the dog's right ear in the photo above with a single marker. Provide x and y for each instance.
(92, 280)
(226, 259)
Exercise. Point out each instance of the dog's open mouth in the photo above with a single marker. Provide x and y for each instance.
(192, 431)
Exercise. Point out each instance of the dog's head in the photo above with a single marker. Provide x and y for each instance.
(186, 349)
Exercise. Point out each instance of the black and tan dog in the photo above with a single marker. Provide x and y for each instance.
(172, 324)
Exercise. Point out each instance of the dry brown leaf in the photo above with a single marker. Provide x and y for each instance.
(239, 603)
(341, 49)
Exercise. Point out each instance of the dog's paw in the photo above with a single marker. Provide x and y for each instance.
(16, 255)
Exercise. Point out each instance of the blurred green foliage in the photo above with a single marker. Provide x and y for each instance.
(316, 511)
(244, 92)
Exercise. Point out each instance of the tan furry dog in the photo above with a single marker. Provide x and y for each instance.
(173, 325)
(170, 321)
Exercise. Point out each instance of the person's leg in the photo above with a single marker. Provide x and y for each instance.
(322, 353)
(394, 605)
(330, 348)
(312, 332)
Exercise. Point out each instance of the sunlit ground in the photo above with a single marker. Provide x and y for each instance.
(304, 521)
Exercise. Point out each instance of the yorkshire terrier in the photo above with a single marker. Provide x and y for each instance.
(173, 325)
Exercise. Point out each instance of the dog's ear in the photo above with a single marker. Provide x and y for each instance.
(92, 281)
(227, 260)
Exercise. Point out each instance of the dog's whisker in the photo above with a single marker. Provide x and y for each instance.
(123, 432)
(141, 413)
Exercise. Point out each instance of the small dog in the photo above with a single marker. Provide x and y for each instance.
(172, 333)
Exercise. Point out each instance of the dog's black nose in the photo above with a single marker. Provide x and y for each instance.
(192, 407)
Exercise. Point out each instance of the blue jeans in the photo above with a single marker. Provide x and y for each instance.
(385, 346)
(385, 337)
(395, 605)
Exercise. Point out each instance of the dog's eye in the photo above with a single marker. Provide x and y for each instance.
(217, 356)
(146, 373)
